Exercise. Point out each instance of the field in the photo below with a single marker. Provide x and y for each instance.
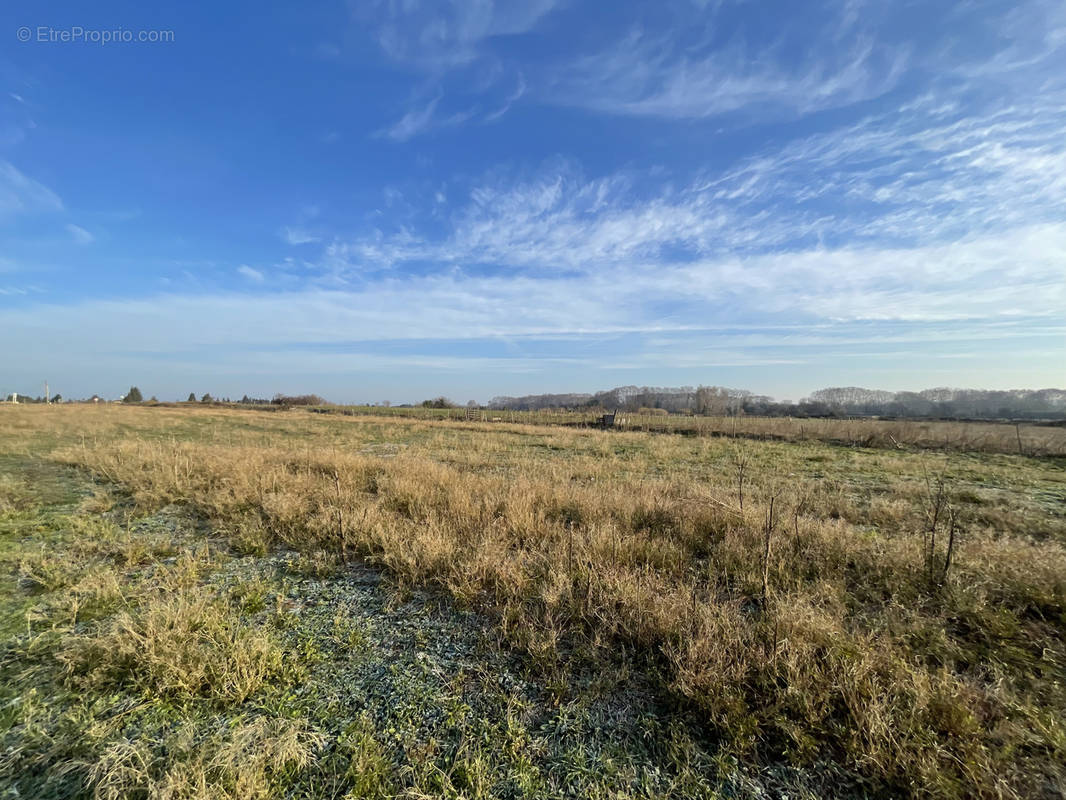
(1026, 438)
(207, 602)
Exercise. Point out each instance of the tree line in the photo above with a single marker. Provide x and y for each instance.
(851, 401)
(940, 402)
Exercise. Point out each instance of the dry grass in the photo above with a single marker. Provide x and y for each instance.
(237, 762)
(173, 645)
(115, 626)
(805, 625)
(1025, 438)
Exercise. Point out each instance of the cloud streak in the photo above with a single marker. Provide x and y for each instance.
(928, 171)
(649, 75)
(80, 235)
(436, 37)
(957, 282)
(20, 194)
(296, 235)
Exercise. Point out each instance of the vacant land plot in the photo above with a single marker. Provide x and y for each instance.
(680, 616)
(1024, 438)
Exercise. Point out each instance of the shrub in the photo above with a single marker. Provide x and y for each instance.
(298, 400)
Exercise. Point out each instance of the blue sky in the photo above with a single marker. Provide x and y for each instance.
(402, 199)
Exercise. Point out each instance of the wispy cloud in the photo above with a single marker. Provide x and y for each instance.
(1026, 37)
(15, 120)
(439, 40)
(510, 100)
(927, 170)
(22, 194)
(654, 75)
(250, 273)
(79, 234)
(435, 37)
(827, 55)
(962, 281)
(413, 122)
(423, 119)
(924, 173)
(296, 235)
(921, 214)
(810, 306)
(690, 64)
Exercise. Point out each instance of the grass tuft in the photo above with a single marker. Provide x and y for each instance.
(176, 646)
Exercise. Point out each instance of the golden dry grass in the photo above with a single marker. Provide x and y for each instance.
(235, 762)
(797, 595)
(1025, 438)
(173, 644)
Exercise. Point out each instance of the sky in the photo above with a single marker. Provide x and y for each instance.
(402, 199)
